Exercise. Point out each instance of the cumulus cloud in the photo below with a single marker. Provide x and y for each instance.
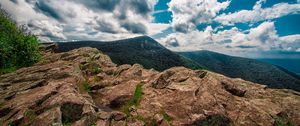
(106, 19)
(234, 41)
(258, 13)
(187, 14)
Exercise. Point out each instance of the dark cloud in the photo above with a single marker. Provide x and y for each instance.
(246, 46)
(108, 5)
(135, 27)
(105, 27)
(181, 28)
(44, 7)
(141, 6)
(14, 1)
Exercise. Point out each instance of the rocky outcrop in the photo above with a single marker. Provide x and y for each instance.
(84, 88)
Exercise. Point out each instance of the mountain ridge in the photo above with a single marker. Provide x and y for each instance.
(245, 68)
(143, 50)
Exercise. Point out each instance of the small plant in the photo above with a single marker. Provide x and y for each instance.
(141, 118)
(29, 115)
(166, 117)
(96, 79)
(1, 105)
(93, 124)
(66, 124)
(87, 87)
(137, 95)
(10, 124)
(279, 122)
(84, 87)
(135, 101)
(96, 70)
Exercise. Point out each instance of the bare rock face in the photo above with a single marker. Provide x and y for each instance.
(83, 87)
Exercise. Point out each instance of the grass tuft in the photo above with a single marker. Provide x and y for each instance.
(87, 87)
(93, 124)
(166, 117)
(29, 116)
(279, 122)
(84, 87)
(135, 101)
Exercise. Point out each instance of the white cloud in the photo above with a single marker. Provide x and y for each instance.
(187, 14)
(258, 13)
(92, 20)
(233, 41)
(156, 28)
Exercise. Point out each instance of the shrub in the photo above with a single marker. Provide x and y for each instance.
(18, 48)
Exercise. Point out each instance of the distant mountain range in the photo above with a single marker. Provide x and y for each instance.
(292, 65)
(247, 69)
(142, 50)
(149, 53)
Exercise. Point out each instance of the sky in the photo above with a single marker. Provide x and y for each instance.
(246, 28)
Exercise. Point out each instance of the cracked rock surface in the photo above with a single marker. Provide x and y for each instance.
(83, 87)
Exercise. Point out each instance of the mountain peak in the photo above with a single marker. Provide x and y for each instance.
(143, 50)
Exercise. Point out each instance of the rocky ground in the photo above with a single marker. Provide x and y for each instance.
(84, 88)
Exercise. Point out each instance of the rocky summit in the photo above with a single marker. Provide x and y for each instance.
(83, 87)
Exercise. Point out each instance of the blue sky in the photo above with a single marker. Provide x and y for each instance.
(283, 28)
(247, 28)
(285, 25)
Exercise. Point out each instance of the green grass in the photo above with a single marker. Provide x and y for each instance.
(29, 115)
(84, 87)
(92, 67)
(96, 79)
(1, 104)
(87, 87)
(279, 122)
(96, 70)
(135, 101)
(137, 95)
(8, 70)
(141, 118)
(93, 124)
(166, 117)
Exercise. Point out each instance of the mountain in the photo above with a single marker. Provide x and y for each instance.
(292, 65)
(247, 69)
(83, 87)
(143, 50)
